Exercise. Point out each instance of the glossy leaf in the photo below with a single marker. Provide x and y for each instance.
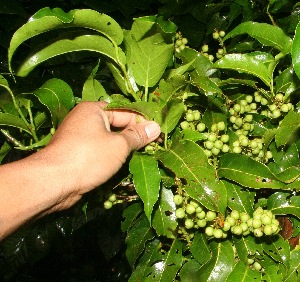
(151, 255)
(58, 97)
(287, 128)
(243, 273)
(188, 161)
(147, 56)
(200, 248)
(164, 219)
(83, 18)
(245, 63)
(296, 51)
(247, 172)
(130, 214)
(188, 273)
(137, 237)
(92, 43)
(206, 84)
(14, 121)
(293, 273)
(238, 198)
(287, 82)
(4, 150)
(284, 203)
(266, 34)
(247, 246)
(166, 270)
(170, 115)
(220, 265)
(146, 179)
(278, 249)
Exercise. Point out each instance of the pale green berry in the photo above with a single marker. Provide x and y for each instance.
(249, 99)
(235, 214)
(184, 40)
(215, 151)
(201, 126)
(237, 150)
(257, 232)
(268, 230)
(218, 233)
(284, 108)
(190, 209)
(225, 148)
(222, 33)
(279, 97)
(178, 199)
(265, 219)
(208, 145)
(205, 48)
(237, 108)
(276, 113)
(112, 198)
(221, 125)
(237, 230)
(231, 220)
(257, 266)
(244, 217)
(226, 225)
(215, 35)
(197, 115)
(201, 215)
(211, 57)
(218, 144)
(214, 127)
(256, 223)
(239, 122)
(201, 222)
(180, 213)
(107, 204)
(209, 231)
(189, 223)
(224, 138)
(185, 125)
(264, 101)
(210, 216)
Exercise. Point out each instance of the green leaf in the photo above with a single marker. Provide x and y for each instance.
(164, 220)
(93, 43)
(170, 115)
(220, 265)
(166, 270)
(93, 89)
(136, 239)
(206, 84)
(84, 18)
(278, 249)
(188, 161)
(5, 148)
(13, 121)
(293, 273)
(287, 82)
(151, 255)
(246, 64)
(238, 198)
(130, 215)
(287, 128)
(55, 12)
(188, 273)
(296, 51)
(200, 248)
(284, 203)
(243, 273)
(58, 97)
(247, 172)
(147, 56)
(146, 179)
(266, 34)
(247, 246)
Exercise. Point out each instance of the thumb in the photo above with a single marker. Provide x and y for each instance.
(141, 134)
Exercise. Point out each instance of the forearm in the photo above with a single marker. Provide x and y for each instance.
(30, 188)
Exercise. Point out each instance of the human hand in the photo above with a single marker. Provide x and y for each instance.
(86, 147)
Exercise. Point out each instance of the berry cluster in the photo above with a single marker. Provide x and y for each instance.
(217, 35)
(180, 42)
(192, 120)
(194, 216)
(112, 199)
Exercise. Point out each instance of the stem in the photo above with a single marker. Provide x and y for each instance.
(270, 16)
(32, 125)
(12, 139)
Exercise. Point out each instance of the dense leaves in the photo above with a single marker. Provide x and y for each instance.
(221, 79)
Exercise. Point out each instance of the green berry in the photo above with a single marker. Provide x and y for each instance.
(225, 148)
(190, 209)
(231, 220)
(189, 223)
(189, 117)
(185, 125)
(210, 216)
(107, 204)
(184, 40)
(256, 223)
(222, 33)
(265, 219)
(209, 231)
(257, 266)
(224, 138)
(180, 213)
(249, 99)
(205, 48)
(284, 108)
(268, 230)
(112, 198)
(208, 145)
(226, 226)
(235, 214)
(237, 150)
(215, 151)
(201, 215)
(237, 230)
(217, 233)
(201, 126)
(201, 222)
(218, 144)
(178, 199)
(221, 125)
(212, 137)
(216, 35)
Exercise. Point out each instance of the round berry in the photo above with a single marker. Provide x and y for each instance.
(284, 108)
(215, 151)
(201, 222)
(222, 33)
(221, 125)
(185, 125)
(209, 231)
(184, 40)
(257, 266)
(225, 148)
(210, 216)
(218, 144)
(205, 48)
(201, 126)
(208, 145)
(201, 215)
(190, 209)
(112, 198)
(178, 199)
(235, 214)
(218, 233)
(256, 223)
(189, 223)
(268, 230)
(180, 213)
(215, 35)
(107, 204)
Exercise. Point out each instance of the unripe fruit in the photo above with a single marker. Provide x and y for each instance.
(212, 137)
(256, 223)
(225, 148)
(237, 150)
(201, 222)
(231, 220)
(189, 117)
(210, 216)
(211, 57)
(107, 204)
(249, 99)
(205, 48)
(180, 213)
(218, 233)
(218, 144)
(244, 217)
(279, 97)
(226, 226)
(235, 214)
(208, 145)
(178, 42)
(221, 125)
(112, 198)
(184, 125)
(209, 231)
(257, 266)
(237, 230)
(189, 223)
(201, 126)
(284, 108)
(215, 151)
(215, 35)
(224, 138)
(237, 108)
(190, 209)
(201, 215)
(265, 219)
(222, 33)
(276, 113)
(268, 230)
(178, 199)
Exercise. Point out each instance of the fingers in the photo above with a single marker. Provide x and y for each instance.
(141, 134)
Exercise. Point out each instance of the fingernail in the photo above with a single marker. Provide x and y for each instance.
(152, 130)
